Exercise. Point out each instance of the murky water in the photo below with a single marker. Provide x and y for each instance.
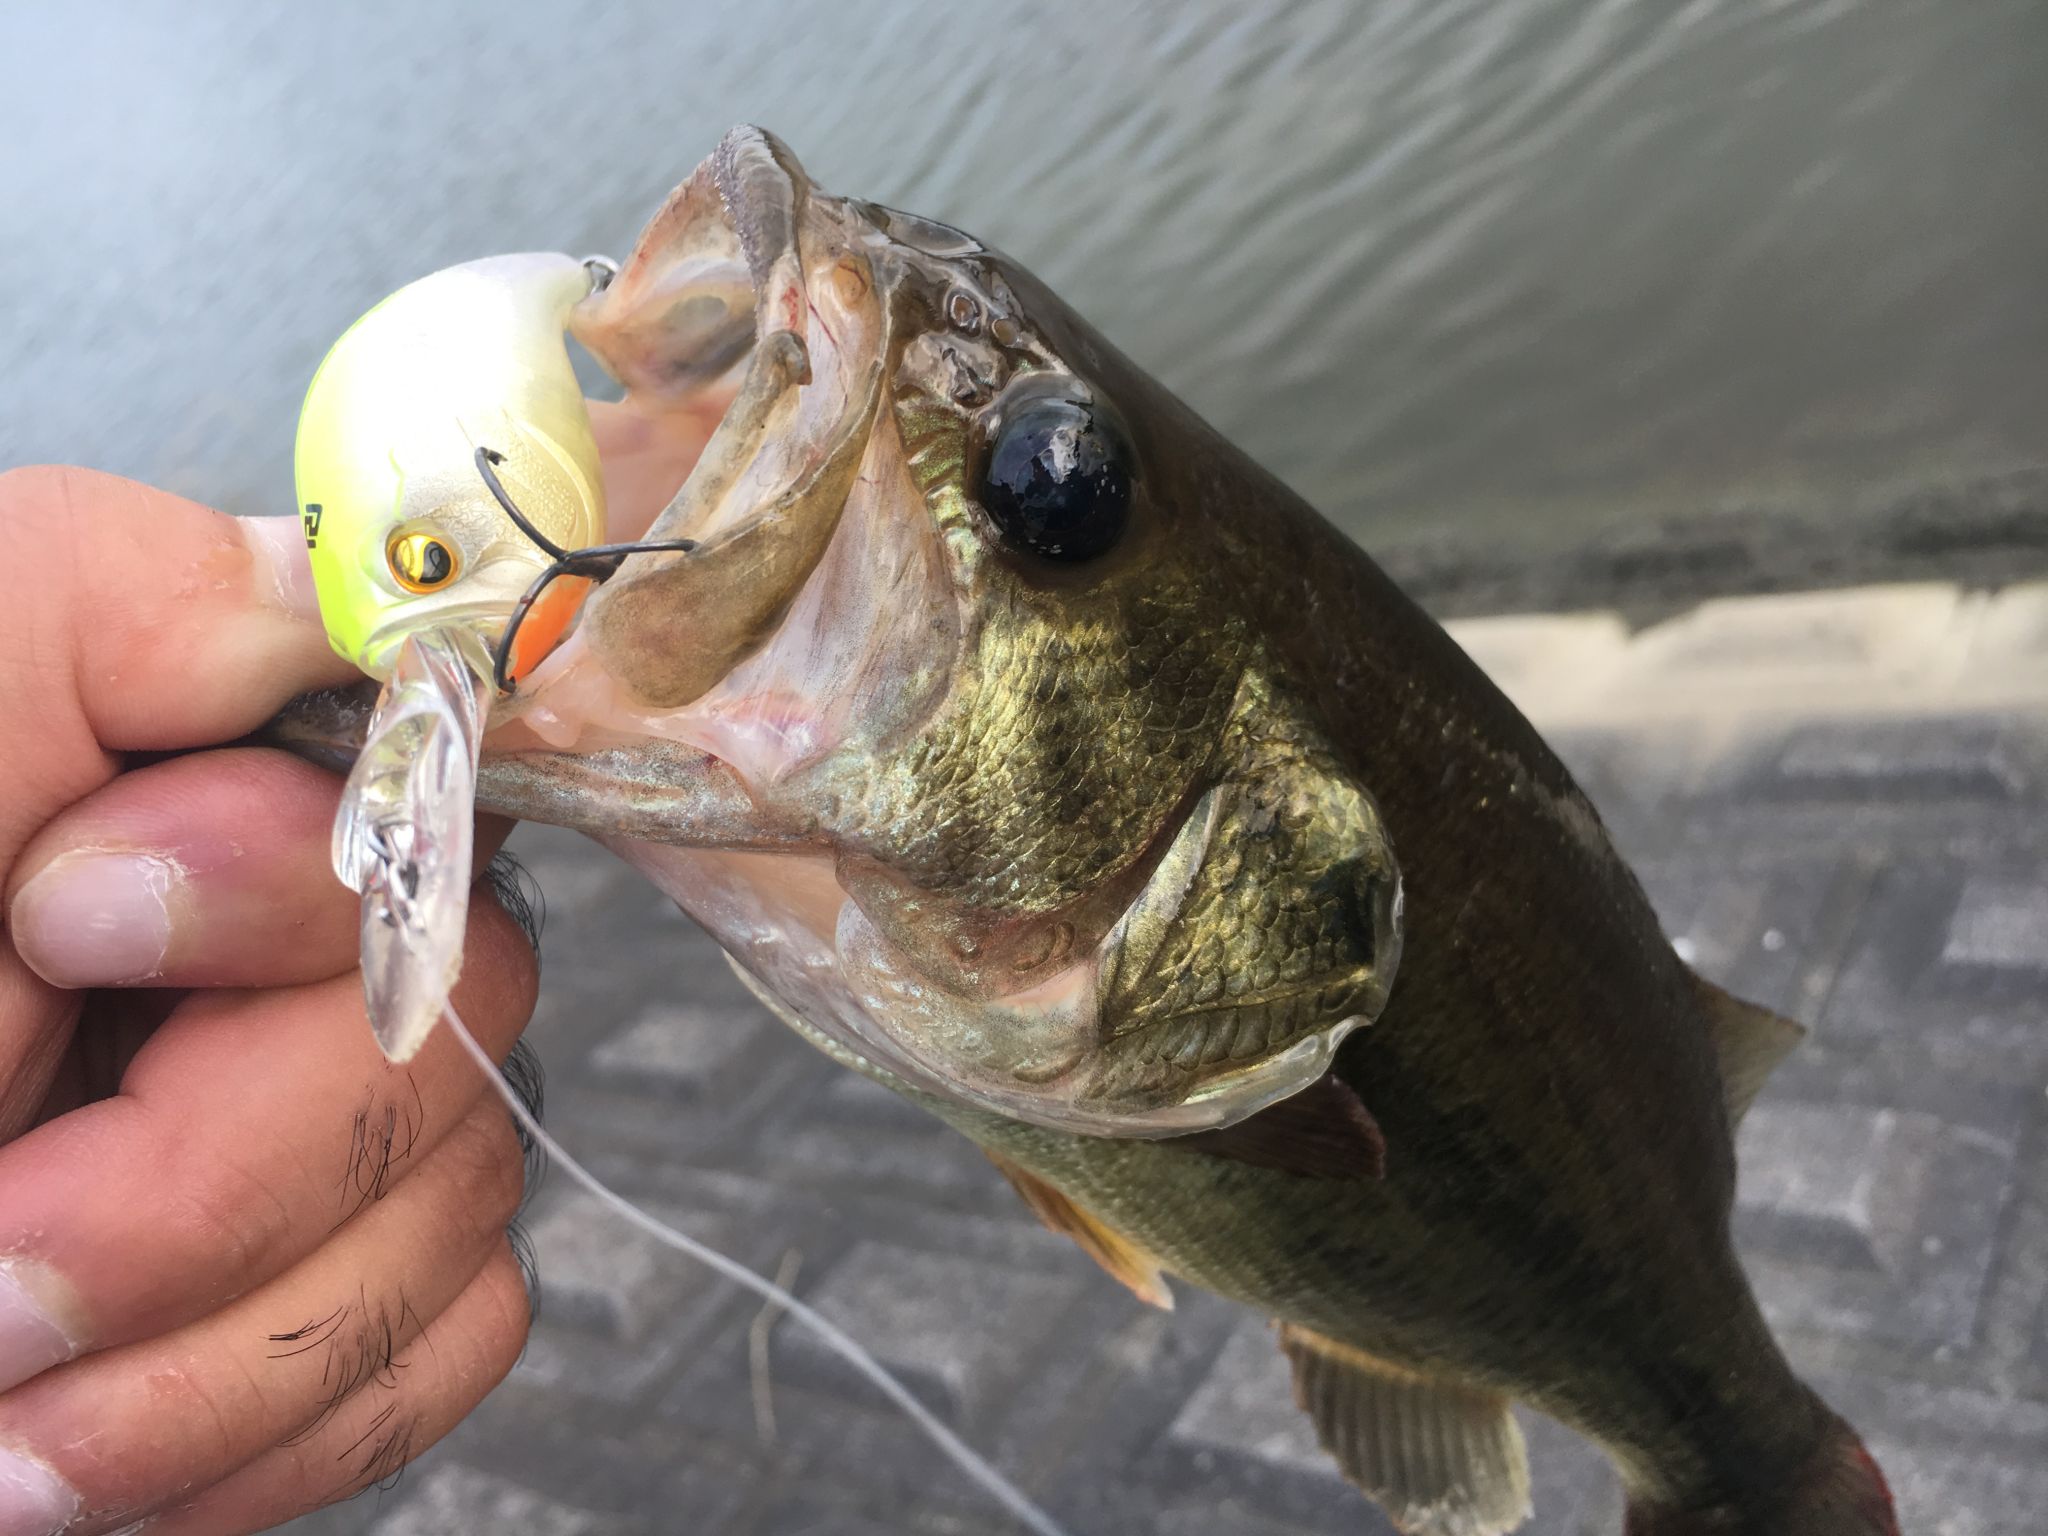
(1505, 269)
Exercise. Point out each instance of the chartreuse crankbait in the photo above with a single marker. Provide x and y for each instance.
(446, 469)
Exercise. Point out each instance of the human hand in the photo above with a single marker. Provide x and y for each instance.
(246, 1266)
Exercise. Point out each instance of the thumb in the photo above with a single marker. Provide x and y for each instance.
(169, 624)
(137, 621)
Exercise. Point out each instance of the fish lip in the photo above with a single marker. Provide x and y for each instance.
(521, 776)
(763, 192)
(667, 325)
(743, 242)
(747, 230)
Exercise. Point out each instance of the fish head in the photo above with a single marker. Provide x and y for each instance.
(405, 532)
(954, 727)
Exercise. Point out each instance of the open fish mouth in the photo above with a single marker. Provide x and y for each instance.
(751, 301)
(744, 292)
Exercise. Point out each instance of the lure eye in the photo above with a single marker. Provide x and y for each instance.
(1057, 480)
(420, 562)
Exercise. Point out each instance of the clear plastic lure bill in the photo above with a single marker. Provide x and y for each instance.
(404, 837)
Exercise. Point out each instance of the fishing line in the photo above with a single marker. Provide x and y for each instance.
(964, 1456)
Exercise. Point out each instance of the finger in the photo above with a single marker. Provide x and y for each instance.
(125, 1432)
(35, 1032)
(160, 624)
(440, 1377)
(248, 1127)
(205, 871)
(113, 1026)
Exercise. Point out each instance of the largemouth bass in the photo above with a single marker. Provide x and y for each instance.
(1030, 749)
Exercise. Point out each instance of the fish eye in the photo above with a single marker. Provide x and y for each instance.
(420, 562)
(1057, 478)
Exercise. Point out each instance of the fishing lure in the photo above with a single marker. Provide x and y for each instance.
(449, 481)
(417, 564)
(453, 503)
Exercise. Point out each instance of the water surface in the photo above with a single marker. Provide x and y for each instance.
(1493, 271)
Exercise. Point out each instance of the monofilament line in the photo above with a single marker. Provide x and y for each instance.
(964, 1456)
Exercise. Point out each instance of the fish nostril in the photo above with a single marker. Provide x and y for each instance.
(963, 312)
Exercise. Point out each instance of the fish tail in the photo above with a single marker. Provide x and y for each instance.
(1840, 1492)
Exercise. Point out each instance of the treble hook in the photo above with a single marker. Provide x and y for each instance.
(598, 562)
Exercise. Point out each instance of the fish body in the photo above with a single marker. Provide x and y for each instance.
(1031, 750)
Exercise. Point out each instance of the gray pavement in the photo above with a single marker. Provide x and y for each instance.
(1838, 806)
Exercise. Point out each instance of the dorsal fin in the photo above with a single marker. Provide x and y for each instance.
(1750, 1042)
(1124, 1259)
(1441, 1458)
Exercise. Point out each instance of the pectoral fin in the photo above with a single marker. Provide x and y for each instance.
(1442, 1459)
(1124, 1259)
(1323, 1132)
(1750, 1042)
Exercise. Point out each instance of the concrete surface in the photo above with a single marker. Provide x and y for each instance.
(1840, 805)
